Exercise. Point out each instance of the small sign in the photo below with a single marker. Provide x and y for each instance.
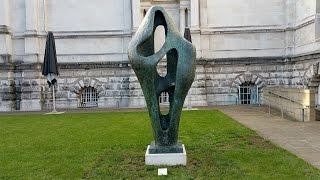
(162, 172)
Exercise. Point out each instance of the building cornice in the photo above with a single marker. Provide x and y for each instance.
(75, 34)
(261, 60)
(19, 66)
(239, 30)
(212, 30)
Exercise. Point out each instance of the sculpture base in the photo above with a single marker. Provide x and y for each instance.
(168, 159)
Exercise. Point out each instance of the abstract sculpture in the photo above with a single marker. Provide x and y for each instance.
(180, 75)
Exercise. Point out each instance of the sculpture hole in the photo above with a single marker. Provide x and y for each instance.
(154, 43)
(162, 67)
(159, 38)
(164, 103)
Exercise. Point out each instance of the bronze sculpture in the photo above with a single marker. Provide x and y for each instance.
(181, 56)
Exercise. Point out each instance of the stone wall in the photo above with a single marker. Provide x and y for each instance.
(216, 83)
(115, 83)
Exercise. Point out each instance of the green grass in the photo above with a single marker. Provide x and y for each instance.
(112, 146)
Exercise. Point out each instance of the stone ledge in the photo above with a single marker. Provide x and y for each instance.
(202, 61)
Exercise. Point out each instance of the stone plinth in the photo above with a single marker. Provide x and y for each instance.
(168, 159)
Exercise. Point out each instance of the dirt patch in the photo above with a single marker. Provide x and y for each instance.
(259, 142)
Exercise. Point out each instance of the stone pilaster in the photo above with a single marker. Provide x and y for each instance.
(182, 20)
(32, 15)
(4, 13)
(5, 34)
(317, 21)
(203, 14)
(31, 39)
(290, 21)
(195, 26)
(31, 86)
(136, 14)
(195, 15)
(6, 71)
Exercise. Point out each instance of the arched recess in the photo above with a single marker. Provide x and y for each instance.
(81, 83)
(253, 78)
(248, 88)
(311, 80)
(311, 76)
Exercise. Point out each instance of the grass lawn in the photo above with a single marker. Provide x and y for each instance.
(112, 145)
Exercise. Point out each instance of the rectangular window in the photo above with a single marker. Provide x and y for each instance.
(164, 98)
(248, 94)
(88, 98)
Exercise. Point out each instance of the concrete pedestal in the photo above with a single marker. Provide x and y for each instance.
(169, 159)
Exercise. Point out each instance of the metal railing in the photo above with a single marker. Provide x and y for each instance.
(286, 107)
(104, 102)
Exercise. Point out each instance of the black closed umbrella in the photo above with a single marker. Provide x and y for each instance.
(50, 64)
(187, 34)
(50, 67)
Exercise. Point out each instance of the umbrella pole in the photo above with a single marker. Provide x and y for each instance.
(54, 99)
(54, 111)
(189, 105)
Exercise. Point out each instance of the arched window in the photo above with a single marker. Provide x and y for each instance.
(88, 97)
(248, 93)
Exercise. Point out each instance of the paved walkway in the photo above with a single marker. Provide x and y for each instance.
(300, 138)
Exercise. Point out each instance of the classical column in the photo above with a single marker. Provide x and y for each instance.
(182, 20)
(194, 14)
(136, 15)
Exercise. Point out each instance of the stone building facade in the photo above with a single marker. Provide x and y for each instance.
(242, 46)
